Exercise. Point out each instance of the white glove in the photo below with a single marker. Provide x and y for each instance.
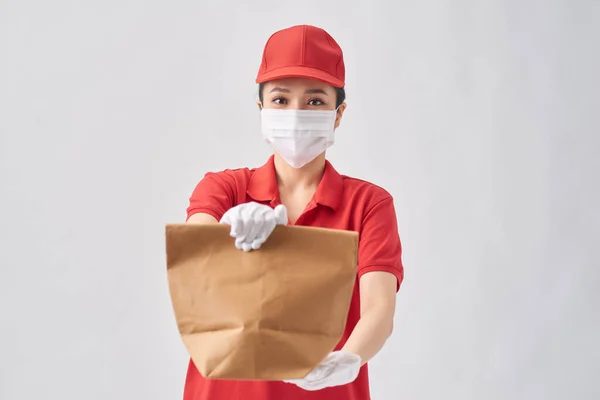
(252, 223)
(338, 368)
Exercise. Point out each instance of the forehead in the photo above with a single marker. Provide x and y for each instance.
(298, 85)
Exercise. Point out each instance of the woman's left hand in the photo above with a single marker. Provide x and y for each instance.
(338, 368)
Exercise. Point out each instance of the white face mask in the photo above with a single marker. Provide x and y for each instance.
(299, 136)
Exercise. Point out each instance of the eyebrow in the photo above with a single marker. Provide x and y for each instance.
(315, 91)
(278, 89)
(309, 91)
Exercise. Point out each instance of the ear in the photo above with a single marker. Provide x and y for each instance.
(340, 112)
(258, 103)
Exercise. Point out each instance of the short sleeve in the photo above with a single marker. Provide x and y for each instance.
(213, 195)
(379, 247)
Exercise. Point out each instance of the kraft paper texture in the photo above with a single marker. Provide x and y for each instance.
(269, 314)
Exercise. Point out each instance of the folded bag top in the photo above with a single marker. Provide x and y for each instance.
(269, 314)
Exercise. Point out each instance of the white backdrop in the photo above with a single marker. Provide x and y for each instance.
(480, 117)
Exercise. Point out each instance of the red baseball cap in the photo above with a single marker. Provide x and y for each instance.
(302, 51)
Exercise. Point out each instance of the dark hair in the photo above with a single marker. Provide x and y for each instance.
(340, 94)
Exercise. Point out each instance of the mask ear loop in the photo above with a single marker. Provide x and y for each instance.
(337, 110)
(336, 115)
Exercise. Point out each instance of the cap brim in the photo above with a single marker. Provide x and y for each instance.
(301, 72)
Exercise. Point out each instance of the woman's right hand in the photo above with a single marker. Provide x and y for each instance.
(252, 223)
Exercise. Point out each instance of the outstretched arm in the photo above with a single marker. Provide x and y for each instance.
(202, 218)
(377, 307)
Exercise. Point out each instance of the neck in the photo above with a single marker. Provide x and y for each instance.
(307, 177)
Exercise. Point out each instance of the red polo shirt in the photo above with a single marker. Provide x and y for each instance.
(340, 202)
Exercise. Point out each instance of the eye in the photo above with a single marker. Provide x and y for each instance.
(316, 102)
(279, 101)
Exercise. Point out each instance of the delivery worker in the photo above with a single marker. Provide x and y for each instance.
(301, 100)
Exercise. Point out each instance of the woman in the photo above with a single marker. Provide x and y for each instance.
(301, 98)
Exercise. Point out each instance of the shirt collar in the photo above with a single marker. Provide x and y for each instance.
(263, 185)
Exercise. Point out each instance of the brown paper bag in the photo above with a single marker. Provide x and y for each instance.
(270, 314)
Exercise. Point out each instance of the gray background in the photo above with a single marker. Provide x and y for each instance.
(480, 117)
